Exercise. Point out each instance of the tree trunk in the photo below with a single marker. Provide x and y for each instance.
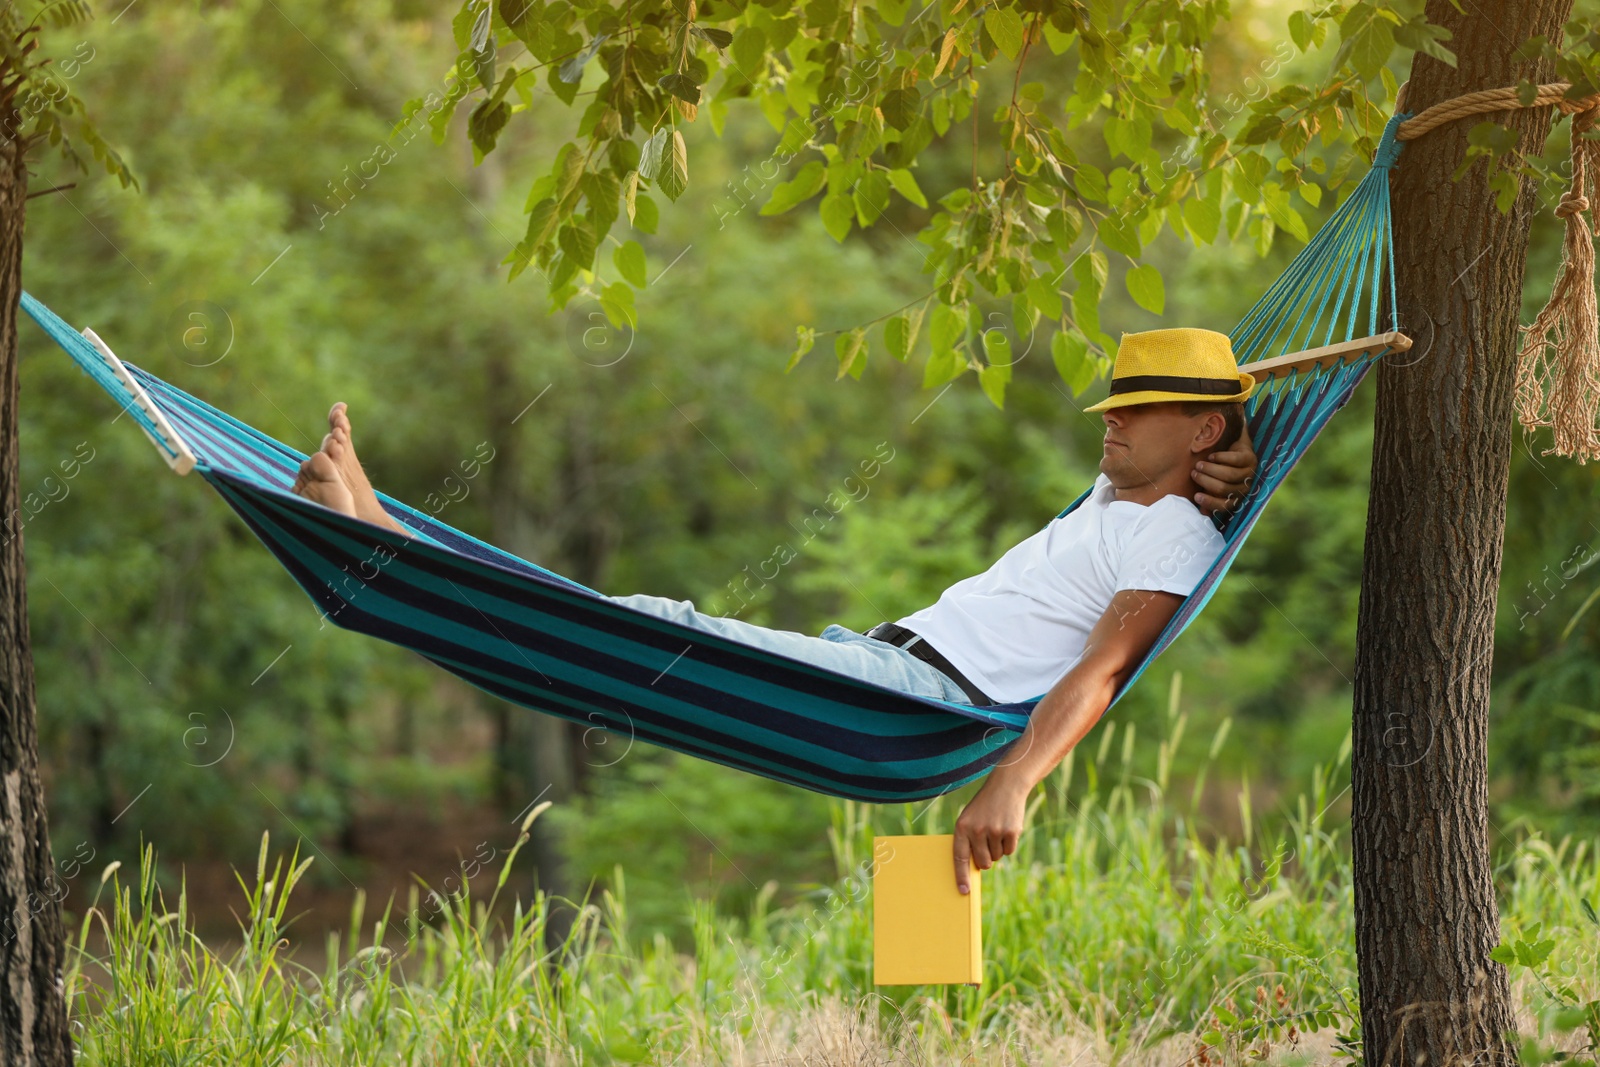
(1425, 908)
(537, 756)
(33, 1010)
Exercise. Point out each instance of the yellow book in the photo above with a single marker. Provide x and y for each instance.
(924, 932)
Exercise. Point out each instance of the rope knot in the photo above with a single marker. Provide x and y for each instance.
(1572, 203)
(1585, 113)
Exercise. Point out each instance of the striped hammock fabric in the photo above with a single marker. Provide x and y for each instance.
(530, 636)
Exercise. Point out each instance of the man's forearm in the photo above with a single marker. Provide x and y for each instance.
(1059, 721)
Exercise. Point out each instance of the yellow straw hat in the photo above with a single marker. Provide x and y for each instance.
(1178, 364)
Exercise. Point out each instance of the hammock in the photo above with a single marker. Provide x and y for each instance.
(533, 637)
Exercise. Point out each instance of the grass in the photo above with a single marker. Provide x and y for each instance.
(1117, 932)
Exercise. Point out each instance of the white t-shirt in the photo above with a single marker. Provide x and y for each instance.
(1015, 629)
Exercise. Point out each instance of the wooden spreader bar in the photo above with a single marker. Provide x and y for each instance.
(1327, 355)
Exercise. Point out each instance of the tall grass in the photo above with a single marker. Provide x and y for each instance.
(1117, 930)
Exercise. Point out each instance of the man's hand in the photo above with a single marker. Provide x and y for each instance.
(1225, 477)
(992, 822)
(990, 825)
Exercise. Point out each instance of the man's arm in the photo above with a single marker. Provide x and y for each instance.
(989, 826)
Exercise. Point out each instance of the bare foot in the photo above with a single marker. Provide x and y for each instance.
(319, 480)
(333, 476)
(342, 450)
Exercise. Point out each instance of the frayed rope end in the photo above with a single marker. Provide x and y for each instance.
(1558, 364)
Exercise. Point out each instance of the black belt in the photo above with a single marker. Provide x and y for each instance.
(913, 643)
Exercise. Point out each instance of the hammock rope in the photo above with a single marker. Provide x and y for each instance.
(1558, 362)
(528, 635)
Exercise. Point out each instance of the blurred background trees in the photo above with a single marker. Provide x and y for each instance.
(295, 243)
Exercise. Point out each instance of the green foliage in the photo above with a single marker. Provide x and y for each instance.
(883, 562)
(1064, 167)
(36, 104)
(1566, 1006)
(1119, 920)
(683, 829)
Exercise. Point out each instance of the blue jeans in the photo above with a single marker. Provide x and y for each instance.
(835, 649)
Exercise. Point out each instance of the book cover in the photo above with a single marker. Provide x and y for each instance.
(924, 932)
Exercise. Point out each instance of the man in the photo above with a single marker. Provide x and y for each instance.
(1086, 595)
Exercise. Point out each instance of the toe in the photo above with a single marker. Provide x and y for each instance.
(321, 467)
(337, 417)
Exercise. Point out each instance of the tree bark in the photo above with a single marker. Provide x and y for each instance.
(1425, 908)
(33, 1010)
(537, 753)
(537, 757)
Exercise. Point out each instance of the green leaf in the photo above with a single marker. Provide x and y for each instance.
(483, 62)
(850, 347)
(571, 71)
(1069, 351)
(1090, 182)
(578, 242)
(997, 347)
(616, 301)
(1090, 274)
(992, 380)
(805, 337)
(802, 187)
(1300, 30)
(947, 328)
(1264, 230)
(521, 16)
(655, 150)
(1145, 286)
(942, 366)
(871, 196)
(1283, 213)
(1119, 235)
(1092, 269)
(900, 107)
(1368, 39)
(749, 52)
(484, 126)
(1064, 224)
(893, 11)
(647, 215)
(630, 263)
(900, 333)
(1045, 296)
(681, 86)
(1423, 36)
(542, 222)
(674, 176)
(906, 185)
(1203, 217)
(838, 212)
(1005, 28)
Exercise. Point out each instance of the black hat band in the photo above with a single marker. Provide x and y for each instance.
(1174, 383)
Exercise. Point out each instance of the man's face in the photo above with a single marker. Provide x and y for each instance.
(1144, 443)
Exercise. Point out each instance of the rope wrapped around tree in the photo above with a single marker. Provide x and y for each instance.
(1558, 363)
